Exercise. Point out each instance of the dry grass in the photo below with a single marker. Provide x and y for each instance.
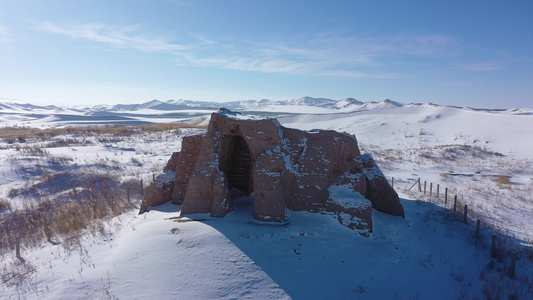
(21, 134)
(15, 272)
(59, 219)
(503, 181)
(4, 205)
(64, 198)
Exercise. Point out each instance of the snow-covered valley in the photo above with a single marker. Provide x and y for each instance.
(481, 156)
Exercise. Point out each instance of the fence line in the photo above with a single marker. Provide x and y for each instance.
(494, 251)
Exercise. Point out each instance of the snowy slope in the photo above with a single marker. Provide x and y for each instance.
(465, 150)
(430, 254)
(422, 125)
(235, 258)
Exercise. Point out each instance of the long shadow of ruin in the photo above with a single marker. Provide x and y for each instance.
(304, 257)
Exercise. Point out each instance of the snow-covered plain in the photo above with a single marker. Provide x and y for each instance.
(465, 150)
(482, 156)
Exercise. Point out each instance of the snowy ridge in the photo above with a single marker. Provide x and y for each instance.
(156, 111)
(484, 156)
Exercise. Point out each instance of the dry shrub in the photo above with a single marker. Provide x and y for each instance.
(61, 219)
(21, 134)
(4, 205)
(503, 181)
(16, 272)
(499, 286)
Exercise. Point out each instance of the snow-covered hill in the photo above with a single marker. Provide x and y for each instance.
(184, 110)
(482, 156)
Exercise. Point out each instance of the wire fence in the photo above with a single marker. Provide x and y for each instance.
(502, 246)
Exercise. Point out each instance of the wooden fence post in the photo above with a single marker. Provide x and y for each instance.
(153, 177)
(445, 196)
(438, 188)
(419, 187)
(493, 247)
(417, 181)
(430, 188)
(424, 187)
(17, 246)
(392, 182)
(47, 232)
(512, 269)
(455, 203)
(465, 219)
(478, 228)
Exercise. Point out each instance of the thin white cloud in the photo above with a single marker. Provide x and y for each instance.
(482, 67)
(323, 55)
(425, 45)
(179, 3)
(356, 74)
(205, 41)
(120, 37)
(342, 56)
(259, 64)
(364, 47)
(331, 56)
(454, 84)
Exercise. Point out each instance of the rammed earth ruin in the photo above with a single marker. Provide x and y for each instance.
(281, 168)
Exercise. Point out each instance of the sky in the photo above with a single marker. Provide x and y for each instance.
(465, 53)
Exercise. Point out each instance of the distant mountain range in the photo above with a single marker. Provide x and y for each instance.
(347, 104)
(240, 105)
(12, 114)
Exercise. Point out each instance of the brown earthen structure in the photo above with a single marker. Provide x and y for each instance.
(282, 168)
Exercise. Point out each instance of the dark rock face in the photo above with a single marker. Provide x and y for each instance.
(379, 191)
(281, 168)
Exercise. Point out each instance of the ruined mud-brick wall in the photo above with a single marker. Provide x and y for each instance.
(283, 168)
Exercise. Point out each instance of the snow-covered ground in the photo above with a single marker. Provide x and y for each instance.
(482, 156)
(472, 153)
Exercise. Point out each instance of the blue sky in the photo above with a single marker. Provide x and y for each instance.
(466, 53)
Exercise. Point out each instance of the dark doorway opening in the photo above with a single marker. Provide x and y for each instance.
(239, 165)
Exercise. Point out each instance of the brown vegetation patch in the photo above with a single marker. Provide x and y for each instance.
(60, 219)
(503, 181)
(21, 134)
(4, 205)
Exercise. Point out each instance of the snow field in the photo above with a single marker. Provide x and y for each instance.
(470, 152)
(429, 254)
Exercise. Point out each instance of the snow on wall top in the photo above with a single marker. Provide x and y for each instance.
(346, 197)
